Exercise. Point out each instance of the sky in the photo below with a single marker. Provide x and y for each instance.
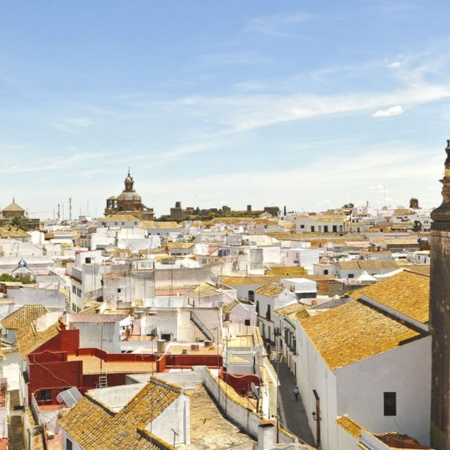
(307, 105)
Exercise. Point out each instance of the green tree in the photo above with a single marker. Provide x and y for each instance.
(8, 277)
(348, 206)
(19, 222)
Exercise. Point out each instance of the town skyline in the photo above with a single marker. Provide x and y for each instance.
(305, 106)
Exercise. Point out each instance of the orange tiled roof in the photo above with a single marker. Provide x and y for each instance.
(249, 280)
(353, 332)
(350, 426)
(95, 426)
(29, 339)
(406, 292)
(120, 218)
(270, 290)
(23, 316)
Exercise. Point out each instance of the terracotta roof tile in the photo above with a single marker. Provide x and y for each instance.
(350, 426)
(94, 426)
(243, 281)
(23, 316)
(353, 332)
(161, 225)
(406, 292)
(205, 290)
(180, 245)
(120, 218)
(270, 290)
(29, 339)
(287, 310)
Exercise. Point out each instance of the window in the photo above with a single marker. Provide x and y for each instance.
(325, 272)
(302, 226)
(268, 312)
(325, 228)
(257, 306)
(334, 229)
(45, 394)
(390, 403)
(247, 322)
(119, 290)
(312, 229)
(69, 444)
(88, 260)
(351, 275)
(251, 296)
(74, 289)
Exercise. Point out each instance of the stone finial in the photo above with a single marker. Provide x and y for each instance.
(442, 214)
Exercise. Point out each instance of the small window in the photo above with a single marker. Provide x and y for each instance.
(251, 296)
(325, 228)
(302, 226)
(88, 260)
(247, 322)
(312, 229)
(45, 394)
(69, 444)
(390, 403)
(351, 275)
(325, 272)
(119, 290)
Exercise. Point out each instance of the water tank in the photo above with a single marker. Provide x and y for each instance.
(161, 346)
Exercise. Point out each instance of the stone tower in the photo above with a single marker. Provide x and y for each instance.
(440, 316)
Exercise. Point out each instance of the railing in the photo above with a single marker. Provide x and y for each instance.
(201, 326)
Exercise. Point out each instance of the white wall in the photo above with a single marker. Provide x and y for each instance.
(357, 390)
(405, 370)
(176, 417)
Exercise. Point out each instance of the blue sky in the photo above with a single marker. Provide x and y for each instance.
(303, 104)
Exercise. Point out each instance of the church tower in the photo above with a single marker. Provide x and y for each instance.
(440, 316)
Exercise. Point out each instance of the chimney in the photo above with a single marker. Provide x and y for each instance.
(267, 435)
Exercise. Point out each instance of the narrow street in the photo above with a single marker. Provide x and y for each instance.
(291, 412)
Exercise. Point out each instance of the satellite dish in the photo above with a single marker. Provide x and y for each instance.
(254, 389)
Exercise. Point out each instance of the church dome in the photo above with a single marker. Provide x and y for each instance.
(129, 197)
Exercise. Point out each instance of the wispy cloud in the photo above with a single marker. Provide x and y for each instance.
(244, 58)
(74, 124)
(389, 112)
(250, 86)
(280, 25)
(362, 169)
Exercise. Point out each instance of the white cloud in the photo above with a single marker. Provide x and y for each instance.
(245, 58)
(278, 24)
(74, 124)
(393, 111)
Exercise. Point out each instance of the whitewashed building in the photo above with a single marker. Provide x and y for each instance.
(358, 359)
(268, 299)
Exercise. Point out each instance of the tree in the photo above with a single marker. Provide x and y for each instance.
(8, 277)
(19, 222)
(348, 206)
